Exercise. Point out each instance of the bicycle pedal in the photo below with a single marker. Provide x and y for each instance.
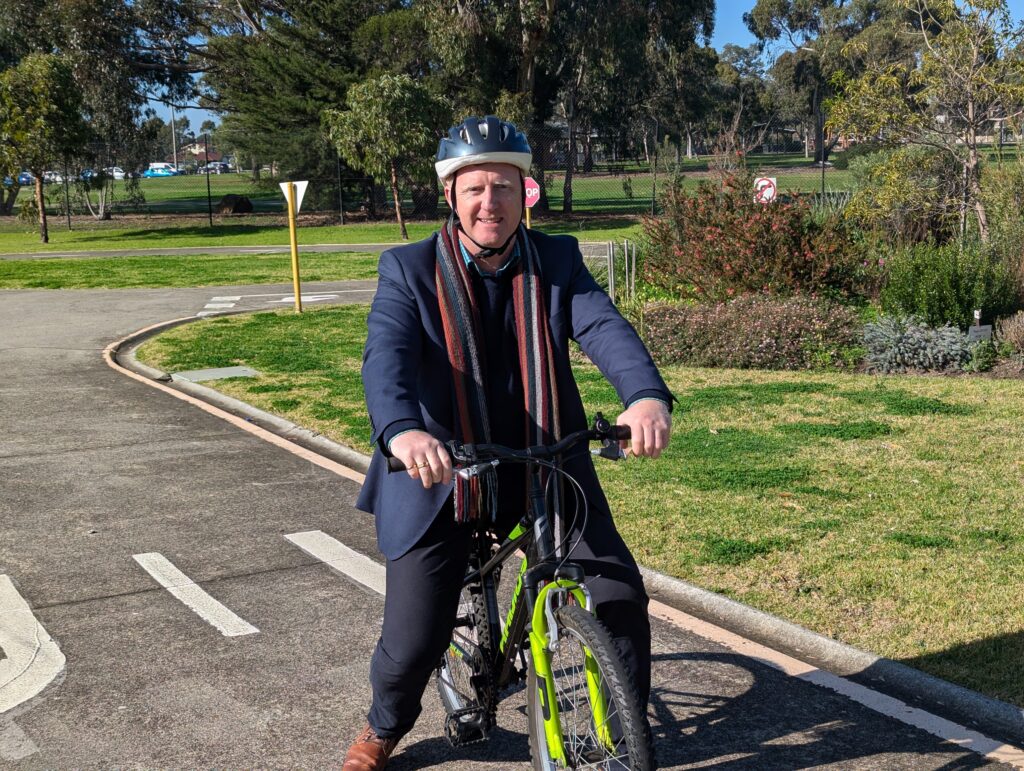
(467, 726)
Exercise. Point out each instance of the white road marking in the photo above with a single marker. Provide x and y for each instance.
(208, 313)
(219, 305)
(186, 590)
(341, 558)
(226, 298)
(32, 658)
(306, 298)
(879, 702)
(14, 744)
(290, 298)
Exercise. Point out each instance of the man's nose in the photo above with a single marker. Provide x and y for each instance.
(490, 198)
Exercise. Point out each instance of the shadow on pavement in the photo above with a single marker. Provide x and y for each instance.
(774, 722)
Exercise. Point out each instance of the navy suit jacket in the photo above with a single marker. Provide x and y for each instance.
(407, 376)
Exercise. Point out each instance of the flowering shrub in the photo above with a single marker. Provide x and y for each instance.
(719, 243)
(755, 331)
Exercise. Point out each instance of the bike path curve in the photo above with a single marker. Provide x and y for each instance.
(98, 469)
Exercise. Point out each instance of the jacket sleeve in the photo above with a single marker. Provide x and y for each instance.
(609, 340)
(393, 350)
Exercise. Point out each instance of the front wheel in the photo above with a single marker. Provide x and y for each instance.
(598, 710)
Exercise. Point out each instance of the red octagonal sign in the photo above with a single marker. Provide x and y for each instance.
(532, 192)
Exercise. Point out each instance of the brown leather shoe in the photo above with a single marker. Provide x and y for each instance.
(369, 752)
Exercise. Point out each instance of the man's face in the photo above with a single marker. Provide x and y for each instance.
(489, 199)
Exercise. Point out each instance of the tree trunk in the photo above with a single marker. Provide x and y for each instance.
(7, 197)
(689, 143)
(44, 233)
(398, 201)
(540, 162)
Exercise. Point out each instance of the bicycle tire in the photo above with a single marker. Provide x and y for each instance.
(579, 631)
(464, 679)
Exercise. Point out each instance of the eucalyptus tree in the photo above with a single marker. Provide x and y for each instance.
(40, 120)
(391, 122)
(965, 81)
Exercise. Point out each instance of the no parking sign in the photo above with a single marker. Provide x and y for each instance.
(764, 189)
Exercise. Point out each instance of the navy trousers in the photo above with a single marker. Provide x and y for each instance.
(423, 588)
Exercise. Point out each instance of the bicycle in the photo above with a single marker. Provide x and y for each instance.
(582, 710)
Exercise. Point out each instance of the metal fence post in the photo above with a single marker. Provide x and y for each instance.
(209, 196)
(341, 193)
(611, 270)
(67, 194)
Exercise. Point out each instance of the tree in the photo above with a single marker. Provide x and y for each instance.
(40, 120)
(743, 111)
(391, 122)
(967, 79)
(829, 40)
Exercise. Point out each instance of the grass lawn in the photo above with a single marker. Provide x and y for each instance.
(192, 270)
(149, 233)
(881, 511)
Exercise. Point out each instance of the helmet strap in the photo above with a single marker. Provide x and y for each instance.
(486, 251)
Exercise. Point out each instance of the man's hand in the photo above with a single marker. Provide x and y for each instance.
(650, 425)
(423, 456)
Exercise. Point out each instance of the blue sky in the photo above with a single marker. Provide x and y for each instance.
(729, 28)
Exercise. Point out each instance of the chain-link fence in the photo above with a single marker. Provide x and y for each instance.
(580, 174)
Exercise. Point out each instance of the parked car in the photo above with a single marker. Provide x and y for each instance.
(25, 178)
(53, 176)
(160, 170)
(216, 167)
(114, 171)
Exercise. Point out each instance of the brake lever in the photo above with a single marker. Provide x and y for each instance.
(610, 449)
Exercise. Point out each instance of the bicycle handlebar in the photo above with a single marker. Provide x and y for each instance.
(469, 454)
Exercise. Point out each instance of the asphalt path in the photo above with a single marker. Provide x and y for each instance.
(593, 248)
(187, 250)
(97, 468)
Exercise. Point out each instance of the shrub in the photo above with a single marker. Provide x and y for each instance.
(983, 356)
(841, 160)
(945, 284)
(719, 243)
(755, 331)
(907, 193)
(905, 344)
(1010, 332)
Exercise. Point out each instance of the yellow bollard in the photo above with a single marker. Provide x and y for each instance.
(295, 248)
(527, 218)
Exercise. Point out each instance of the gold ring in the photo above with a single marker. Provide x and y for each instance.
(422, 465)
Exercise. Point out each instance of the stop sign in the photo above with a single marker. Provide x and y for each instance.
(532, 191)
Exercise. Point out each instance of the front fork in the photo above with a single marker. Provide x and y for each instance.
(544, 641)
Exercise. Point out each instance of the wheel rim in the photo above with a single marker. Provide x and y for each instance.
(583, 747)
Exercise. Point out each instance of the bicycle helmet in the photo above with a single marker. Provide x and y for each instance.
(476, 141)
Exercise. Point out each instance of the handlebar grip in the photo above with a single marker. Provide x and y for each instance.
(620, 432)
(394, 464)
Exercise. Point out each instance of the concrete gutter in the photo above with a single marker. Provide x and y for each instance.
(995, 718)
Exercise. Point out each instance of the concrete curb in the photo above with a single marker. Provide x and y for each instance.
(995, 718)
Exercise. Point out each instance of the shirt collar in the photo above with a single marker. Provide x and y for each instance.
(472, 264)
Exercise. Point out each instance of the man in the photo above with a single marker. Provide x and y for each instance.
(459, 323)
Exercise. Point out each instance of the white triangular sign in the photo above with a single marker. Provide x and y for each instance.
(300, 190)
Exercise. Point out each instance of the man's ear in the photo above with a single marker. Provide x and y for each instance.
(448, 192)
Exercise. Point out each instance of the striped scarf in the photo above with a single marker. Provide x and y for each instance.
(477, 496)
